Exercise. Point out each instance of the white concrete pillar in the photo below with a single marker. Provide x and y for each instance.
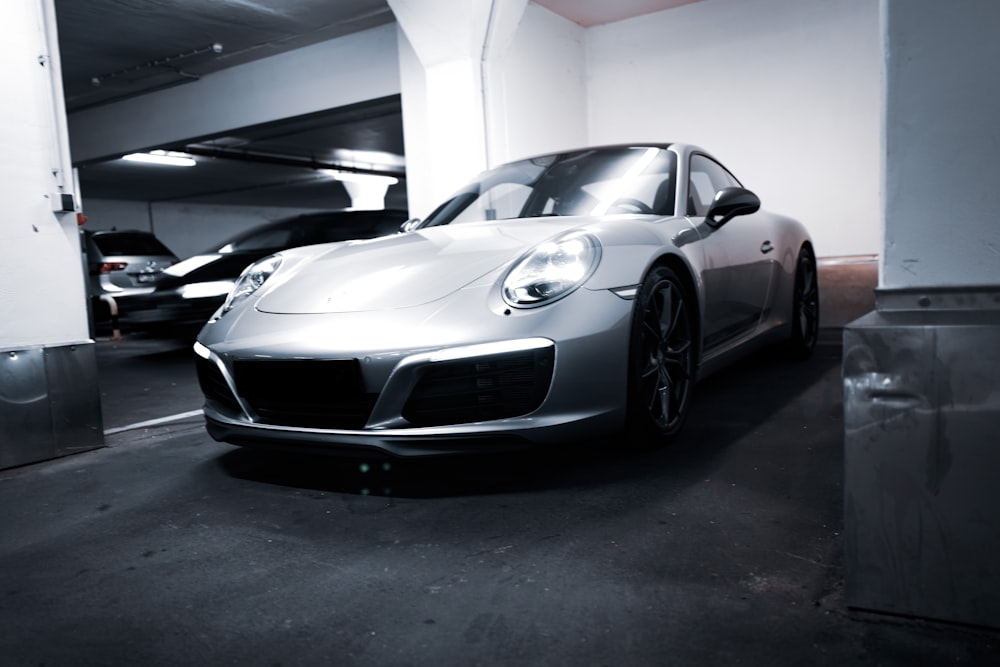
(449, 115)
(921, 388)
(942, 101)
(43, 298)
(49, 402)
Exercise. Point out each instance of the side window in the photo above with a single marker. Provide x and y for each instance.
(707, 178)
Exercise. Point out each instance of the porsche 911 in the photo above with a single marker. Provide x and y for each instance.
(552, 299)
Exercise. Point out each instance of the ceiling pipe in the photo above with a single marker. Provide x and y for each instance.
(286, 161)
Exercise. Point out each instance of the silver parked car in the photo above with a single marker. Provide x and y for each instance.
(122, 263)
(554, 298)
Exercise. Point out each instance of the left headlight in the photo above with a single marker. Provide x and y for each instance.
(251, 280)
(552, 270)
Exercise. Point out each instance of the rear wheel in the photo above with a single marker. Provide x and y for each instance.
(662, 357)
(805, 306)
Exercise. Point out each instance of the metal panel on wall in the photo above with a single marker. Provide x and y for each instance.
(25, 422)
(922, 459)
(49, 403)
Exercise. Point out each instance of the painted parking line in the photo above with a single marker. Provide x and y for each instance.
(153, 422)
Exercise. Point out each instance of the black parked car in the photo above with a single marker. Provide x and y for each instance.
(188, 293)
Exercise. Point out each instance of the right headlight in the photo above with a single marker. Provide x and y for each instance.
(552, 270)
(251, 280)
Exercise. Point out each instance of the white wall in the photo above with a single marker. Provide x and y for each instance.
(786, 93)
(187, 229)
(42, 293)
(942, 140)
(538, 89)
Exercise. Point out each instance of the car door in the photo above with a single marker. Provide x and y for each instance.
(739, 260)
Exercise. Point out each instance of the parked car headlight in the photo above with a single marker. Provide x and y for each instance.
(251, 280)
(552, 270)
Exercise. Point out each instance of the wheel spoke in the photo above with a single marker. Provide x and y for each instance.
(667, 313)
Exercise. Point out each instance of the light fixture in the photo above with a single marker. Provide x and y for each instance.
(170, 158)
(359, 177)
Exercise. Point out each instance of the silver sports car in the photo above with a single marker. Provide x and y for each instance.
(555, 298)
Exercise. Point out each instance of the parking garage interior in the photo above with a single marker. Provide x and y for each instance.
(835, 510)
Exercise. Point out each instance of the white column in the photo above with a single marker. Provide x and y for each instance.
(942, 102)
(49, 399)
(43, 296)
(921, 388)
(448, 120)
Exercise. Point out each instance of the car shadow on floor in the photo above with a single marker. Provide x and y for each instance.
(726, 407)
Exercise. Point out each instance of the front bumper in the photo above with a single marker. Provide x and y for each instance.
(483, 397)
(542, 376)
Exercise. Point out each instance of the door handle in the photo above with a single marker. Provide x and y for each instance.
(766, 247)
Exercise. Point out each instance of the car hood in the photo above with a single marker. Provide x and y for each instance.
(404, 270)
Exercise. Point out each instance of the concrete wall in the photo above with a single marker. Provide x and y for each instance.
(784, 92)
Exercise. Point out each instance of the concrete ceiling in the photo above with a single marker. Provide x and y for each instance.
(589, 13)
(116, 49)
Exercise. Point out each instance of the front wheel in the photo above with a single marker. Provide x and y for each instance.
(805, 306)
(662, 357)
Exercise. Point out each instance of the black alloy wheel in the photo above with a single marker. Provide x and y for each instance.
(805, 306)
(662, 357)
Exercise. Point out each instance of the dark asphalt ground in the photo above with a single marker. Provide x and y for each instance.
(724, 548)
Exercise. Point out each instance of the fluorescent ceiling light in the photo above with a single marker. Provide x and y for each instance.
(359, 177)
(373, 159)
(171, 158)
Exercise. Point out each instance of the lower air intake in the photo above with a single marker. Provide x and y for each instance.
(482, 389)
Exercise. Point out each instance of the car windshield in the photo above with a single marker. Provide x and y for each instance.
(593, 182)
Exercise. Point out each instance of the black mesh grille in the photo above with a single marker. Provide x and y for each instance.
(214, 386)
(495, 387)
(306, 393)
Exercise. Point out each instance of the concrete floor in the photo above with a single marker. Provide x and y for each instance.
(724, 548)
(167, 548)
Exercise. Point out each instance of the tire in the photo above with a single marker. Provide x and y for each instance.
(805, 306)
(663, 357)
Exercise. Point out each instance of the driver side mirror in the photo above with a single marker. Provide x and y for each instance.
(409, 225)
(729, 203)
